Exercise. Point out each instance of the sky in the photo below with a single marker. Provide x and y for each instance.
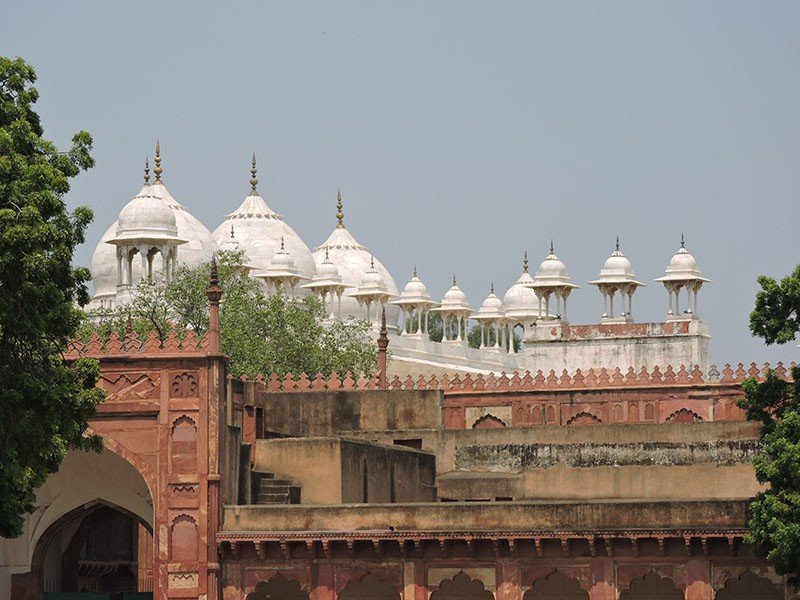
(460, 133)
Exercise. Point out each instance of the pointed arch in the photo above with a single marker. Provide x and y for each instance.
(278, 588)
(651, 586)
(556, 586)
(749, 586)
(369, 587)
(488, 421)
(584, 418)
(462, 587)
(684, 415)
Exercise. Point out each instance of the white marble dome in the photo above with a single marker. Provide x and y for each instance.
(353, 260)
(259, 230)
(520, 300)
(104, 270)
(282, 258)
(415, 289)
(492, 308)
(683, 260)
(372, 280)
(682, 267)
(327, 270)
(454, 297)
(146, 216)
(492, 302)
(552, 266)
(200, 246)
(616, 269)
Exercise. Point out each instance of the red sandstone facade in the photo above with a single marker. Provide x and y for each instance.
(172, 413)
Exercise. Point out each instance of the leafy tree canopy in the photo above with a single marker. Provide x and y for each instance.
(775, 513)
(261, 334)
(45, 404)
(776, 316)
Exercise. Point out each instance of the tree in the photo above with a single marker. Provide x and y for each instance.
(774, 525)
(260, 334)
(776, 316)
(45, 404)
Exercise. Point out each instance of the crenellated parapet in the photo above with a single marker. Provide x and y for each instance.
(578, 380)
(175, 342)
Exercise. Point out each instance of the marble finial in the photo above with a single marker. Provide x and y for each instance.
(339, 212)
(253, 178)
(157, 170)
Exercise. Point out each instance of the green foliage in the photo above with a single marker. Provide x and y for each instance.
(45, 404)
(260, 334)
(776, 316)
(474, 338)
(774, 524)
(775, 513)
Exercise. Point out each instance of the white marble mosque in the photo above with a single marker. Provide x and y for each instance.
(154, 233)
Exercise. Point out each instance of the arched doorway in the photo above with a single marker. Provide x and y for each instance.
(98, 548)
(462, 587)
(652, 587)
(369, 587)
(91, 531)
(278, 588)
(749, 586)
(556, 586)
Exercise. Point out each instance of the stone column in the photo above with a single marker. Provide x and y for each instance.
(698, 579)
(322, 588)
(508, 580)
(603, 585)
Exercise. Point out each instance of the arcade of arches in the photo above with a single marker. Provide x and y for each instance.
(556, 586)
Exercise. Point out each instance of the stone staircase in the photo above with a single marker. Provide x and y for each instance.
(268, 490)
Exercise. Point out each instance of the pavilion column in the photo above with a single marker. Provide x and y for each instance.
(669, 296)
(323, 587)
(143, 252)
(602, 582)
(698, 579)
(129, 268)
(119, 267)
(508, 580)
(565, 318)
(697, 289)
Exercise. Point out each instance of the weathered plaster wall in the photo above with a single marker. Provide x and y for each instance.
(330, 413)
(332, 470)
(621, 345)
(506, 516)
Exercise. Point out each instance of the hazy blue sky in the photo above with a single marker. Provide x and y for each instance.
(460, 133)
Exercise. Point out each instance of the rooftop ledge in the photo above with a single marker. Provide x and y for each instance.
(501, 518)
